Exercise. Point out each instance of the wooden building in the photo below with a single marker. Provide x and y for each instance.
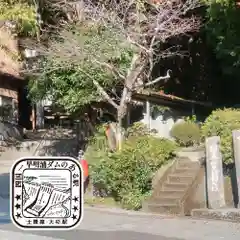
(161, 111)
(12, 84)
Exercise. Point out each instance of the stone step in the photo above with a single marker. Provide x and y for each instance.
(178, 178)
(166, 200)
(188, 164)
(169, 194)
(183, 159)
(5, 170)
(6, 164)
(14, 155)
(186, 171)
(5, 167)
(175, 186)
(3, 149)
(163, 208)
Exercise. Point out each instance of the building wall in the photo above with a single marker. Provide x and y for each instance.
(8, 93)
(163, 118)
(11, 81)
(163, 121)
(9, 89)
(9, 97)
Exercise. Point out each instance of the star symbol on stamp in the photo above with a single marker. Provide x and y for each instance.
(18, 215)
(74, 217)
(18, 197)
(75, 199)
(17, 206)
(75, 208)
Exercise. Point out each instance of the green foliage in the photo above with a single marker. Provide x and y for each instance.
(186, 133)
(127, 174)
(22, 13)
(68, 76)
(223, 33)
(191, 119)
(70, 87)
(100, 44)
(99, 139)
(159, 108)
(137, 129)
(221, 123)
(97, 146)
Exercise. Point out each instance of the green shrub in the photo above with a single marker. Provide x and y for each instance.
(97, 146)
(192, 119)
(127, 174)
(186, 133)
(139, 129)
(221, 123)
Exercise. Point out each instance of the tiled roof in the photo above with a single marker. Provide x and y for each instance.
(161, 93)
(161, 96)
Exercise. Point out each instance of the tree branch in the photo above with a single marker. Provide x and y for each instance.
(104, 94)
(138, 45)
(135, 71)
(167, 76)
(158, 79)
(112, 69)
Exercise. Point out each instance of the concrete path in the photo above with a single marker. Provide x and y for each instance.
(7, 158)
(107, 225)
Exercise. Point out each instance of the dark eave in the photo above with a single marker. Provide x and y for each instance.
(170, 101)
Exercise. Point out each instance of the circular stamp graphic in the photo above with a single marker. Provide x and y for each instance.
(46, 193)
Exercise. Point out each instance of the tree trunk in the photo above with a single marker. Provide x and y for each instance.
(121, 114)
(134, 72)
(119, 133)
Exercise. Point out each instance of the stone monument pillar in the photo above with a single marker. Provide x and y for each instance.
(236, 148)
(215, 180)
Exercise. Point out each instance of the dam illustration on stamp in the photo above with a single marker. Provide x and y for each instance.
(46, 193)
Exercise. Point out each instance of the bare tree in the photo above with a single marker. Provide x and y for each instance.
(139, 25)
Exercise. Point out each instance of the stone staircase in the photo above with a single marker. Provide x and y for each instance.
(172, 194)
(14, 150)
(11, 154)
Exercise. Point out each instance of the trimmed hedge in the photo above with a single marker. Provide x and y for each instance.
(186, 133)
(221, 123)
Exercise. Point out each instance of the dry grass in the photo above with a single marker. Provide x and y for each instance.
(102, 202)
(91, 200)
